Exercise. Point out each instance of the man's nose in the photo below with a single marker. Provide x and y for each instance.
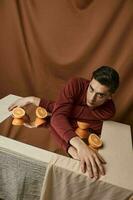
(93, 97)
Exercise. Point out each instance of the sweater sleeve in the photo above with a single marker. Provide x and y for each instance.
(62, 110)
(66, 108)
(47, 104)
(61, 143)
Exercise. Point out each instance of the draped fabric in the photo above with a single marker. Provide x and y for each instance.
(64, 184)
(30, 173)
(21, 177)
(44, 43)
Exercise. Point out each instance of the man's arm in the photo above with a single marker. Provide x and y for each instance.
(90, 160)
(25, 101)
(47, 104)
(63, 109)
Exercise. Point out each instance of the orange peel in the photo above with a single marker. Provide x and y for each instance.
(39, 121)
(82, 133)
(18, 112)
(83, 125)
(41, 112)
(94, 141)
(17, 122)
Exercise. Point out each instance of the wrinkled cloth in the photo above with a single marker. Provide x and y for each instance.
(53, 41)
(29, 173)
(63, 184)
(21, 177)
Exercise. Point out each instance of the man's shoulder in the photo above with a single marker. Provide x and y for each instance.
(77, 86)
(79, 81)
(109, 105)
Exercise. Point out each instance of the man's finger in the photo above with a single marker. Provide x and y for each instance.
(29, 125)
(101, 158)
(83, 167)
(10, 108)
(100, 166)
(94, 168)
(89, 169)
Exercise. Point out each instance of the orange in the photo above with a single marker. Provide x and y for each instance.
(18, 112)
(83, 125)
(17, 122)
(95, 141)
(41, 112)
(39, 121)
(82, 133)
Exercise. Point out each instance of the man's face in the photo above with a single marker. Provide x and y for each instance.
(97, 93)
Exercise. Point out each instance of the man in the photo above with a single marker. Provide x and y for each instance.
(85, 101)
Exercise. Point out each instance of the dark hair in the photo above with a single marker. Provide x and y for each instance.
(107, 76)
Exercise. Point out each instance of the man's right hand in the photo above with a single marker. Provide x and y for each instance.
(90, 160)
(25, 101)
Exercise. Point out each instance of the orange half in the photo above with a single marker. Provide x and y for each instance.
(83, 125)
(39, 121)
(95, 141)
(41, 112)
(82, 133)
(18, 112)
(17, 122)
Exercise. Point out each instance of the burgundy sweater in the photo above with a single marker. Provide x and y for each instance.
(70, 107)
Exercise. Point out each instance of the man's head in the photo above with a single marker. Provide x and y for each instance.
(104, 82)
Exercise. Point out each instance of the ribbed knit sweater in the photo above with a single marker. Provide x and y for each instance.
(71, 107)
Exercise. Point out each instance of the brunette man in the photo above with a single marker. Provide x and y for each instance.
(85, 101)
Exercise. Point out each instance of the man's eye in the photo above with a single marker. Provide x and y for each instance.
(101, 95)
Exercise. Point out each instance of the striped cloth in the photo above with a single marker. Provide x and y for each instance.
(21, 177)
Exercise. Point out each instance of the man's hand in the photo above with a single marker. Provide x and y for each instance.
(73, 152)
(24, 101)
(90, 160)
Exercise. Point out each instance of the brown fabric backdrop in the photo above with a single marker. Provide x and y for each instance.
(43, 43)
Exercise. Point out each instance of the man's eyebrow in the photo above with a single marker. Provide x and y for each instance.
(97, 92)
(91, 87)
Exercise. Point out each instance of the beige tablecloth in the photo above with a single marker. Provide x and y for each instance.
(30, 173)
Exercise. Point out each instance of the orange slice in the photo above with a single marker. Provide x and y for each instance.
(17, 122)
(41, 112)
(39, 121)
(82, 133)
(83, 125)
(18, 112)
(95, 141)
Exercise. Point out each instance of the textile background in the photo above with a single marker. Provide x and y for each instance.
(43, 43)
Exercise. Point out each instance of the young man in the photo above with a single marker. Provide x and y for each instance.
(85, 101)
